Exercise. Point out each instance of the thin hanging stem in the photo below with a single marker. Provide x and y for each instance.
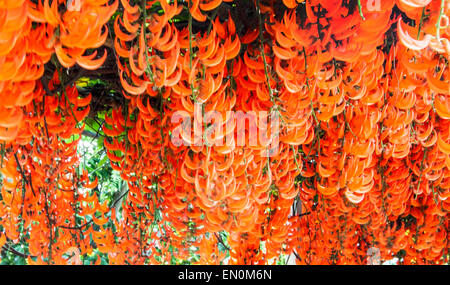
(421, 22)
(190, 53)
(360, 10)
(266, 70)
(438, 24)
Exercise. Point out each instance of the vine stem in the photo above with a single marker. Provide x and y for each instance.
(360, 10)
(22, 172)
(63, 90)
(348, 126)
(425, 154)
(421, 22)
(77, 227)
(50, 227)
(266, 71)
(9, 248)
(220, 240)
(295, 158)
(438, 24)
(190, 40)
(190, 53)
(43, 115)
(307, 85)
(144, 31)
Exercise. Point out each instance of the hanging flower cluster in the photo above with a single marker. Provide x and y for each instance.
(359, 159)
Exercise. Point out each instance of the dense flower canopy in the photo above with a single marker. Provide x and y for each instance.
(360, 88)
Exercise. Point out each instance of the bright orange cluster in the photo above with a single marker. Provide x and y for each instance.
(363, 163)
(29, 34)
(42, 204)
